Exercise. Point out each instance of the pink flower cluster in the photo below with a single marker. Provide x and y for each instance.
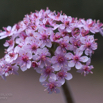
(51, 43)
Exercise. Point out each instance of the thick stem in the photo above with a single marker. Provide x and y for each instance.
(67, 93)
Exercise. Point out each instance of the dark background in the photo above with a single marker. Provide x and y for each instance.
(13, 11)
(26, 88)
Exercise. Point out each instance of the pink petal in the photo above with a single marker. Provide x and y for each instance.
(88, 62)
(71, 39)
(49, 44)
(24, 68)
(78, 65)
(52, 76)
(62, 81)
(94, 46)
(66, 39)
(84, 59)
(71, 63)
(41, 64)
(29, 64)
(88, 51)
(42, 78)
(79, 52)
(68, 76)
(61, 26)
(69, 56)
(58, 50)
(36, 57)
(56, 67)
(82, 47)
(83, 40)
(54, 59)
(90, 38)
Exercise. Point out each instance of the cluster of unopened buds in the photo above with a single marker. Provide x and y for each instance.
(51, 43)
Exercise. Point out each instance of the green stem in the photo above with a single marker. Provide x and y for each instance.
(67, 93)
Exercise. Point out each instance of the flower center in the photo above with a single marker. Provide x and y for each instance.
(34, 47)
(9, 69)
(23, 35)
(44, 37)
(56, 37)
(88, 45)
(76, 58)
(11, 54)
(47, 24)
(76, 43)
(25, 58)
(48, 71)
(76, 31)
(33, 27)
(86, 69)
(43, 57)
(17, 27)
(10, 42)
(51, 86)
(60, 74)
(63, 45)
(65, 33)
(31, 34)
(34, 64)
(67, 23)
(60, 59)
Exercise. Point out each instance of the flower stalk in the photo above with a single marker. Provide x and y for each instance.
(67, 93)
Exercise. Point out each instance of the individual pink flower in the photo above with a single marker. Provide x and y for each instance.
(9, 31)
(44, 37)
(11, 56)
(10, 44)
(42, 56)
(62, 75)
(24, 59)
(86, 69)
(77, 58)
(52, 86)
(7, 69)
(75, 42)
(60, 60)
(89, 44)
(47, 71)
(64, 44)
(32, 44)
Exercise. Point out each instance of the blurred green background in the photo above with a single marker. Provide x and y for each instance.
(26, 88)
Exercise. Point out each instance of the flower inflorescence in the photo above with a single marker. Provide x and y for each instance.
(51, 43)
